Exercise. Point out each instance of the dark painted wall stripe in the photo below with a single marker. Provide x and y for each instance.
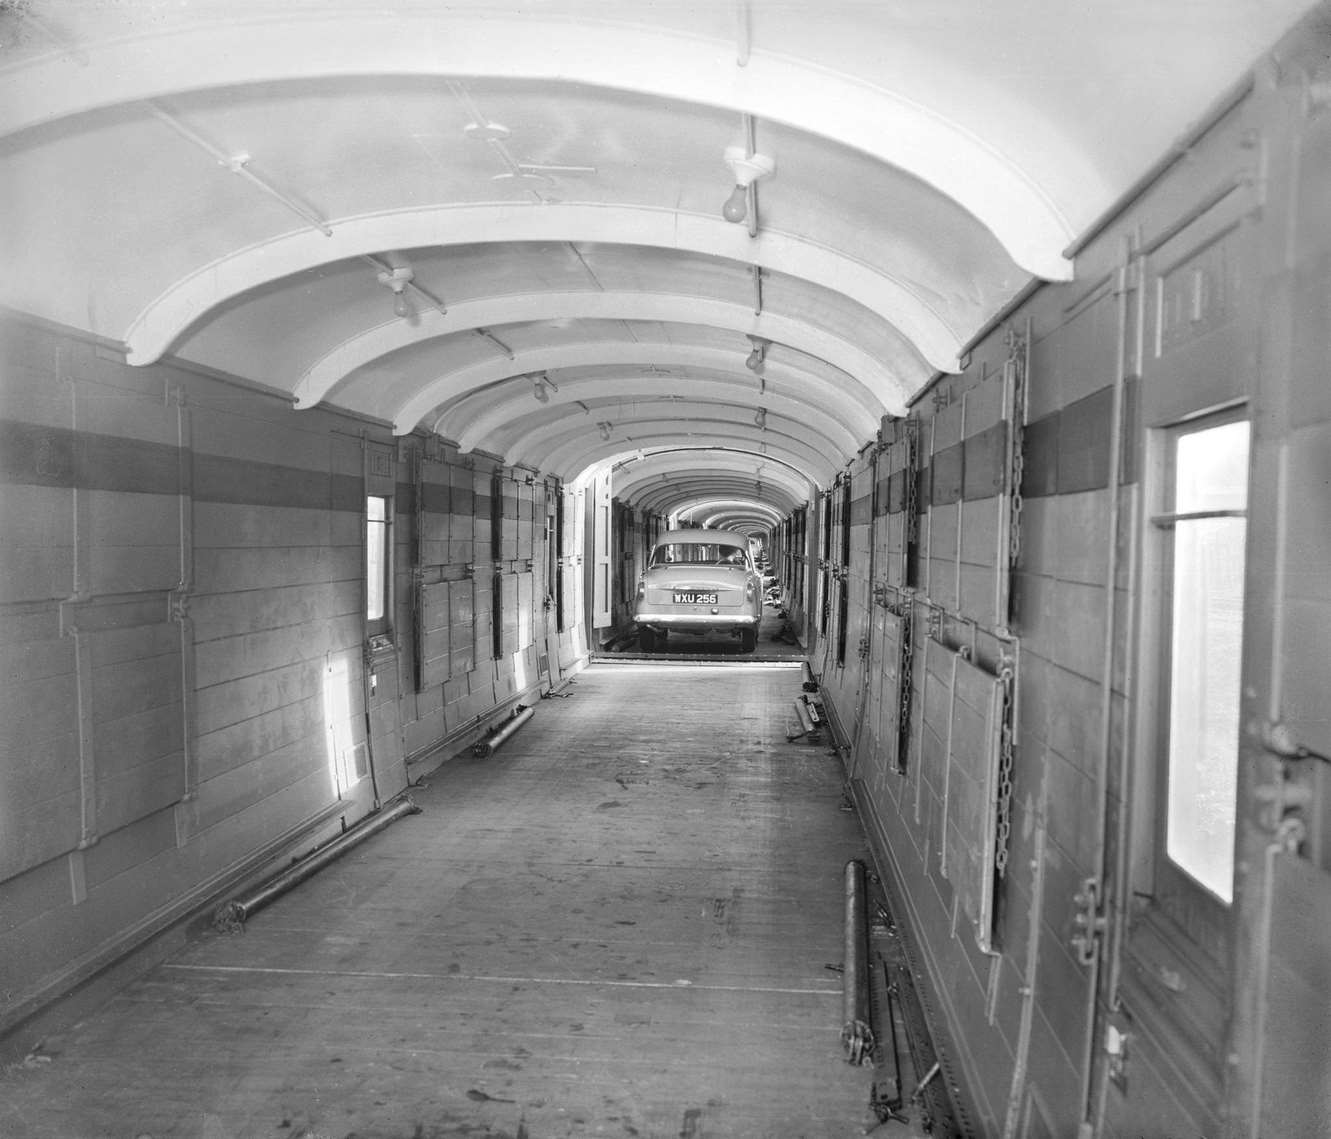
(1083, 443)
(860, 510)
(896, 492)
(1068, 451)
(1040, 457)
(35, 455)
(883, 493)
(948, 470)
(985, 465)
(245, 482)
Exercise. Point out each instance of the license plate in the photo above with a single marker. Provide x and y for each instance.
(694, 598)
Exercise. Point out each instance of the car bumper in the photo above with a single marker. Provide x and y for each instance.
(698, 621)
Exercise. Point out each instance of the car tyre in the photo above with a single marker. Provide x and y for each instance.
(647, 640)
(748, 640)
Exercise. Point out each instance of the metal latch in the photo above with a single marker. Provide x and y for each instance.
(1279, 740)
(1088, 921)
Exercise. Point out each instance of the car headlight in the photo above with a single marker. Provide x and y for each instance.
(748, 589)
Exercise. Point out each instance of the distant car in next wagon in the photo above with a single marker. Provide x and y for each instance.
(700, 581)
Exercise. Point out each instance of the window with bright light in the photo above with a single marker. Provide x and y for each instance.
(1206, 522)
(378, 564)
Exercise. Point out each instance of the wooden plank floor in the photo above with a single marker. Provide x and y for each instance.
(618, 925)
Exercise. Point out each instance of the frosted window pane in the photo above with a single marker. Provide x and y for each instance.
(375, 556)
(1211, 469)
(1207, 642)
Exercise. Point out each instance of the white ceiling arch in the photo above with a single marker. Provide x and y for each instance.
(711, 481)
(729, 472)
(748, 506)
(696, 495)
(744, 511)
(629, 51)
(682, 497)
(541, 439)
(788, 437)
(463, 381)
(506, 419)
(494, 312)
(931, 158)
(578, 451)
(298, 252)
(659, 478)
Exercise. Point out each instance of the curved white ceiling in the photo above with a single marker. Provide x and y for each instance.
(226, 181)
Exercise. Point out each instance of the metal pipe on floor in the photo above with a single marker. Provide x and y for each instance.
(233, 914)
(487, 746)
(856, 1033)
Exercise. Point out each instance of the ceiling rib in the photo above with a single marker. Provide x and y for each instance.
(239, 163)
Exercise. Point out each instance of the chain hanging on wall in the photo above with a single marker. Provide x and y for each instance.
(911, 536)
(1017, 368)
(906, 680)
(1007, 731)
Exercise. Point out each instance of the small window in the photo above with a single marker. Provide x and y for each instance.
(1206, 526)
(378, 565)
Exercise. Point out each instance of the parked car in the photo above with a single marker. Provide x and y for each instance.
(699, 581)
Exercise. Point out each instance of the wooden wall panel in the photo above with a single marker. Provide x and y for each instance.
(970, 793)
(436, 621)
(37, 554)
(464, 628)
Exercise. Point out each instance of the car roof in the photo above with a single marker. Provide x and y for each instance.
(731, 536)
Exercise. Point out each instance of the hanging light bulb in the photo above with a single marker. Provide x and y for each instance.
(540, 383)
(761, 418)
(747, 168)
(396, 280)
(758, 356)
(736, 208)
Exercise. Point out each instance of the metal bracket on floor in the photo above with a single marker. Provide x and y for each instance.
(811, 719)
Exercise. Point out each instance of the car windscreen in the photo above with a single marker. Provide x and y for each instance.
(697, 554)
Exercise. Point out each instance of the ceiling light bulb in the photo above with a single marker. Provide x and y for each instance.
(400, 305)
(755, 360)
(736, 208)
(540, 393)
(761, 418)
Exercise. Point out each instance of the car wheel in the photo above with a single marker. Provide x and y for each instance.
(748, 639)
(647, 640)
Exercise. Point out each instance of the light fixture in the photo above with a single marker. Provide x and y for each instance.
(758, 357)
(761, 418)
(736, 207)
(747, 169)
(604, 427)
(397, 279)
(539, 384)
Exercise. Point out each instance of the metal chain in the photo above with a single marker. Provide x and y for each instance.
(905, 679)
(1017, 360)
(1004, 805)
(911, 533)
